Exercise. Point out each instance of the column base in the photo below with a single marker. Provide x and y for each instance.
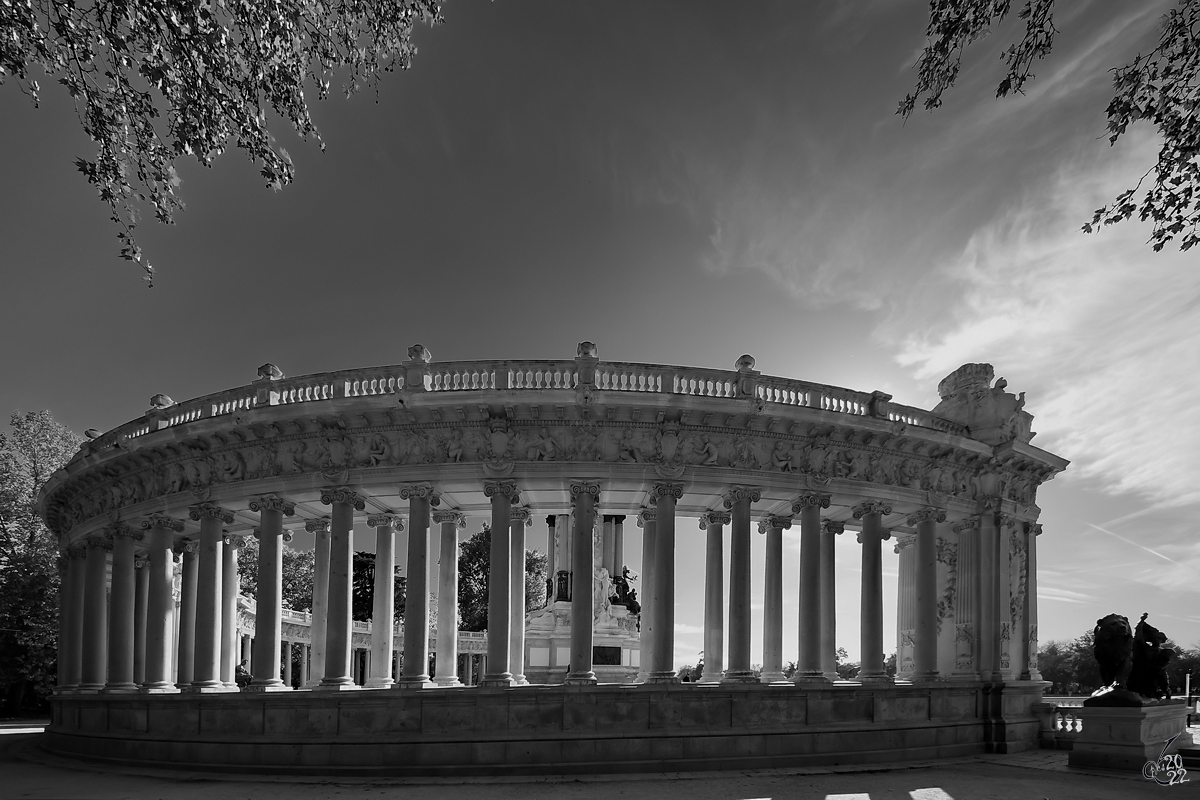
(336, 685)
(448, 682)
(267, 686)
(218, 688)
(773, 677)
(925, 677)
(120, 688)
(581, 679)
(159, 688)
(662, 677)
(813, 679)
(379, 683)
(520, 680)
(739, 676)
(711, 677)
(414, 682)
(501, 681)
(875, 679)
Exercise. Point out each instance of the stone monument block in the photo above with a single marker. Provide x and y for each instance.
(1125, 738)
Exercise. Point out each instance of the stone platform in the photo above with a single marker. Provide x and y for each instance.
(1115, 737)
(546, 730)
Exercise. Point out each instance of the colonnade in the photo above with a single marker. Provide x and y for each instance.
(133, 645)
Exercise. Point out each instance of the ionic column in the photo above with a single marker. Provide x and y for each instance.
(383, 608)
(607, 541)
(415, 672)
(829, 530)
(503, 495)
(516, 564)
(305, 659)
(989, 627)
(207, 671)
(664, 496)
(714, 523)
(584, 496)
(772, 664)
(925, 656)
(619, 544)
(70, 650)
(95, 615)
(189, 579)
(447, 640)
(871, 641)
(320, 599)
(551, 565)
(647, 518)
(229, 594)
(1011, 654)
(738, 502)
(268, 622)
(562, 579)
(906, 591)
(287, 664)
(1029, 624)
(121, 611)
(810, 667)
(969, 591)
(141, 594)
(339, 623)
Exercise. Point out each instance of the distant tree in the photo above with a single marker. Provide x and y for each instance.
(30, 574)
(363, 587)
(156, 81)
(847, 670)
(1159, 87)
(298, 568)
(474, 564)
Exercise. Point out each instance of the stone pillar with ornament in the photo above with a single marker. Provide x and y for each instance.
(714, 522)
(969, 592)
(871, 623)
(925, 651)
(268, 622)
(339, 623)
(141, 597)
(906, 591)
(738, 502)
(520, 518)
(1029, 634)
(772, 664)
(809, 664)
(584, 496)
(503, 495)
(383, 608)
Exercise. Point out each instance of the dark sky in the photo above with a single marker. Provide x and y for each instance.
(680, 183)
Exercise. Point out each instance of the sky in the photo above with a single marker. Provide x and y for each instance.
(680, 183)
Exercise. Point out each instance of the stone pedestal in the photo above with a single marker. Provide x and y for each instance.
(1125, 738)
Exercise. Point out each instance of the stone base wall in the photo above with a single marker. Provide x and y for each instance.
(546, 730)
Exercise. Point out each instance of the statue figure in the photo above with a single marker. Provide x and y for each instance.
(600, 601)
(1133, 663)
(708, 451)
(1150, 659)
(1113, 650)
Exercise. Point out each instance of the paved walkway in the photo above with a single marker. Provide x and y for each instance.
(27, 772)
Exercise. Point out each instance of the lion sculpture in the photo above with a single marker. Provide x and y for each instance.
(1113, 650)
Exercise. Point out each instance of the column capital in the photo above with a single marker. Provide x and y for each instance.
(271, 502)
(833, 526)
(141, 561)
(970, 523)
(235, 540)
(343, 494)
(421, 491)
(162, 521)
(709, 518)
(871, 507)
(114, 532)
(393, 521)
(904, 541)
(522, 515)
(585, 487)
(647, 515)
(811, 499)
(774, 521)
(884, 535)
(449, 515)
(1033, 528)
(318, 525)
(98, 540)
(741, 493)
(210, 511)
(926, 514)
(1007, 521)
(75, 551)
(185, 546)
(504, 489)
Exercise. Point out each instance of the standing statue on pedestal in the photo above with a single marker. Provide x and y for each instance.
(1133, 663)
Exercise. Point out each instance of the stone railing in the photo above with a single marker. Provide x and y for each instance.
(1060, 722)
(466, 376)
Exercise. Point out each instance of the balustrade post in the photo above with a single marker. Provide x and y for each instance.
(516, 627)
(738, 502)
(447, 640)
(503, 496)
(141, 595)
(121, 612)
(647, 521)
(268, 620)
(871, 640)
(584, 495)
(229, 595)
(829, 530)
(339, 623)
(925, 656)
(320, 599)
(714, 523)
(772, 663)
(189, 579)
(95, 615)
(810, 667)
(664, 497)
(206, 676)
(383, 607)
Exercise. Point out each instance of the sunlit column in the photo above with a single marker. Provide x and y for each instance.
(207, 671)
(551, 554)
(189, 553)
(95, 614)
(71, 625)
(415, 671)
(383, 607)
(447, 640)
(320, 598)
(1010, 651)
(618, 544)
(871, 639)
(925, 656)
(608, 556)
(714, 523)
(810, 665)
(989, 628)
(229, 594)
(905, 604)
(647, 521)
(268, 622)
(772, 664)
(339, 624)
(516, 563)
(141, 594)
(738, 502)
(562, 580)
(305, 661)
(1029, 626)
(121, 611)
(664, 496)
(287, 664)
(968, 590)
(584, 496)
(503, 495)
(829, 530)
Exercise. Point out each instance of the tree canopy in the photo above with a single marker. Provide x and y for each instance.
(474, 559)
(1160, 87)
(155, 81)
